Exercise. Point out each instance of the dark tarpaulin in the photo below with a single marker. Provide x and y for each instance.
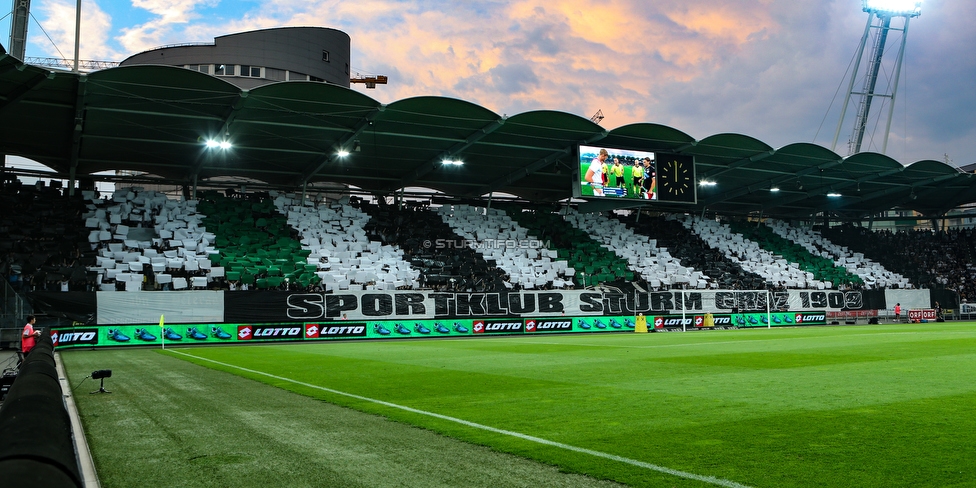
(256, 306)
(78, 306)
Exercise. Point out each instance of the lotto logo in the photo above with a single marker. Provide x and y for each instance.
(312, 331)
(530, 325)
(658, 322)
(478, 326)
(245, 332)
(798, 318)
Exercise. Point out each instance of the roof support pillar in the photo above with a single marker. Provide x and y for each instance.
(80, 90)
(331, 157)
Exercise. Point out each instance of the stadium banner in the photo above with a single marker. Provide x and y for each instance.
(280, 306)
(176, 335)
(908, 299)
(196, 307)
(179, 307)
(701, 321)
(779, 319)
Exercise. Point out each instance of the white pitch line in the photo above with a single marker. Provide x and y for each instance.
(633, 462)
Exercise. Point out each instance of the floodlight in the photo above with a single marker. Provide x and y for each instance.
(213, 144)
(774, 189)
(895, 8)
(707, 183)
(342, 153)
(453, 162)
(833, 194)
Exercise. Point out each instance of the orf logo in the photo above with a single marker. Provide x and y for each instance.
(478, 326)
(312, 331)
(245, 332)
(658, 322)
(798, 318)
(530, 325)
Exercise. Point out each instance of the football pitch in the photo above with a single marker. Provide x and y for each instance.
(881, 405)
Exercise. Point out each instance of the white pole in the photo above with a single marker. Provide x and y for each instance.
(769, 299)
(77, 33)
(684, 326)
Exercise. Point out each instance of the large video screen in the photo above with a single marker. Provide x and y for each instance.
(616, 173)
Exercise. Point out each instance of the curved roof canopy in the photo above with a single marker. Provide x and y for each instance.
(157, 119)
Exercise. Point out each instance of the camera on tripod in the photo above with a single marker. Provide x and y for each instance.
(101, 374)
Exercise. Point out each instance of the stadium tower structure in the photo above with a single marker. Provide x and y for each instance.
(255, 58)
(880, 16)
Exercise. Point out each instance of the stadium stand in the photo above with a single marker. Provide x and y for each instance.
(254, 243)
(42, 239)
(593, 262)
(823, 269)
(751, 256)
(872, 274)
(654, 265)
(432, 248)
(510, 246)
(693, 252)
(146, 241)
(942, 260)
(341, 254)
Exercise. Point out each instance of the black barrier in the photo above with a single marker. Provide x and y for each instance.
(874, 300)
(36, 448)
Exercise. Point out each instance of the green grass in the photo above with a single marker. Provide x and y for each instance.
(888, 405)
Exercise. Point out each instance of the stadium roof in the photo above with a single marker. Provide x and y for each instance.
(156, 119)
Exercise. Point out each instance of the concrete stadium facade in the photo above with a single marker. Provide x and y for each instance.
(255, 58)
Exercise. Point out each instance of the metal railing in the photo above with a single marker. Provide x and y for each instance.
(69, 64)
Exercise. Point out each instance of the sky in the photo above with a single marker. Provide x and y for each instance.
(775, 70)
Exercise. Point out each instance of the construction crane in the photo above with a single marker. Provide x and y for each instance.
(597, 117)
(369, 81)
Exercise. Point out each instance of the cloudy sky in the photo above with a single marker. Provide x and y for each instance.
(771, 69)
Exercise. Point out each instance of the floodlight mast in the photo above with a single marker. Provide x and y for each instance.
(880, 14)
(18, 28)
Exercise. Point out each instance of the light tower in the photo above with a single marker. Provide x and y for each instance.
(18, 28)
(880, 16)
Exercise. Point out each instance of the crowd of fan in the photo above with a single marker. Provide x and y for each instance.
(43, 244)
(430, 245)
(937, 260)
(44, 247)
